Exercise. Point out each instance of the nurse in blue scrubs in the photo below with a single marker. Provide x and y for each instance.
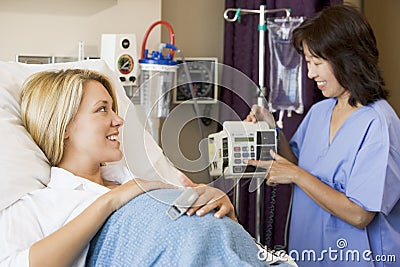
(344, 159)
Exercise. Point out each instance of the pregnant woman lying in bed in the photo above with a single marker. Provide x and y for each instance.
(72, 116)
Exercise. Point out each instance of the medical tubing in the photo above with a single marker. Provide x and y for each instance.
(171, 36)
(271, 215)
(270, 221)
(195, 104)
(285, 242)
(271, 218)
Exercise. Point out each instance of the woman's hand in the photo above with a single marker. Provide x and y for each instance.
(125, 192)
(259, 113)
(279, 170)
(210, 198)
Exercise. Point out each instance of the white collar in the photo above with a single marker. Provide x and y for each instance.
(63, 179)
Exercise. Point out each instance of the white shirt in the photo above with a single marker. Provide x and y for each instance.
(43, 211)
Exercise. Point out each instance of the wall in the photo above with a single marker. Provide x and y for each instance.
(198, 25)
(199, 32)
(356, 3)
(55, 27)
(385, 21)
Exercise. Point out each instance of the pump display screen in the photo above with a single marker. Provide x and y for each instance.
(244, 139)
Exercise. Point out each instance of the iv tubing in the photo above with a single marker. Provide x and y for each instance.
(171, 35)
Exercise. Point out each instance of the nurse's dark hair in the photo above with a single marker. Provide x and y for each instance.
(342, 36)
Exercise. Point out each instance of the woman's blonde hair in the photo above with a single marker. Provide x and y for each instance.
(50, 101)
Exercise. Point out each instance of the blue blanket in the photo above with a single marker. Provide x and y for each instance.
(142, 234)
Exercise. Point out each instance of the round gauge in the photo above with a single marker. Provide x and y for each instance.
(125, 64)
(201, 75)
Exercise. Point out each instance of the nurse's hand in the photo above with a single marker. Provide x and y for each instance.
(210, 198)
(258, 113)
(279, 170)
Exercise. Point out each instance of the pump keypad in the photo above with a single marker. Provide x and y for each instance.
(240, 155)
(242, 151)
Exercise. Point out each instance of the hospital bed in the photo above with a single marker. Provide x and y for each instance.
(140, 233)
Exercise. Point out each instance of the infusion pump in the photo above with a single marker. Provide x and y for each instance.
(237, 142)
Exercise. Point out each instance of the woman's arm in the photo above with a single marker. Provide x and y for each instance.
(283, 171)
(333, 201)
(64, 245)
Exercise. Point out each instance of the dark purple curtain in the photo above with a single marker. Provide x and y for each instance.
(241, 53)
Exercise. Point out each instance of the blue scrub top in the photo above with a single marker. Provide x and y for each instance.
(362, 162)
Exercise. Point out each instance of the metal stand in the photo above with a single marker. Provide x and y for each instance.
(259, 212)
(236, 197)
(259, 218)
(259, 221)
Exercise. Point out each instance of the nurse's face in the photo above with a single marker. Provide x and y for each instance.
(92, 134)
(320, 71)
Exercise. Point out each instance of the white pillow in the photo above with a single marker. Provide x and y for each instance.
(24, 167)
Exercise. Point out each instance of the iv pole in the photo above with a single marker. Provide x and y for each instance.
(260, 101)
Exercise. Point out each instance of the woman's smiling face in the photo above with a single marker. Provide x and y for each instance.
(321, 72)
(92, 136)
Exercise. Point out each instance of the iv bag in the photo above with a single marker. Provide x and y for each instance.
(285, 66)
